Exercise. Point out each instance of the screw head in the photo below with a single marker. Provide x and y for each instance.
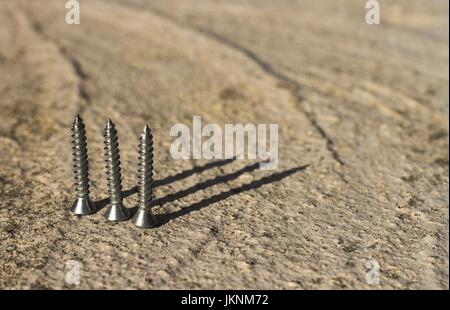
(117, 213)
(144, 219)
(83, 206)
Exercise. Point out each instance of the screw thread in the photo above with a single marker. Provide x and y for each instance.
(145, 169)
(80, 158)
(112, 159)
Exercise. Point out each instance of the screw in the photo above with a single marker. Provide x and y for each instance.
(144, 217)
(83, 205)
(116, 211)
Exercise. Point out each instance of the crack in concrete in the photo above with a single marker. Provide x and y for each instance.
(74, 63)
(293, 86)
(81, 74)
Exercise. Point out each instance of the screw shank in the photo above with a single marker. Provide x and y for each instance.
(112, 159)
(145, 170)
(80, 159)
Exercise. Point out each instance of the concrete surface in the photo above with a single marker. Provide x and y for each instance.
(365, 108)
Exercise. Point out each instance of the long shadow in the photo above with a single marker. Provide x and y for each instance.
(190, 172)
(100, 204)
(164, 218)
(200, 186)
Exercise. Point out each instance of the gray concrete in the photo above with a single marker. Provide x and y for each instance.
(366, 107)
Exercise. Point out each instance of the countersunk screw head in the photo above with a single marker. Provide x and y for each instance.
(83, 205)
(144, 217)
(116, 211)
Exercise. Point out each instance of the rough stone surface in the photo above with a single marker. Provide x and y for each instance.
(365, 107)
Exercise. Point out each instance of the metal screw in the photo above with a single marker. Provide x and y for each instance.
(144, 217)
(83, 205)
(116, 211)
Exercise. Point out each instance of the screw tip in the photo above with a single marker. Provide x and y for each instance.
(78, 119)
(147, 129)
(109, 123)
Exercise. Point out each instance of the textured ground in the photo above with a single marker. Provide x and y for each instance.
(365, 107)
